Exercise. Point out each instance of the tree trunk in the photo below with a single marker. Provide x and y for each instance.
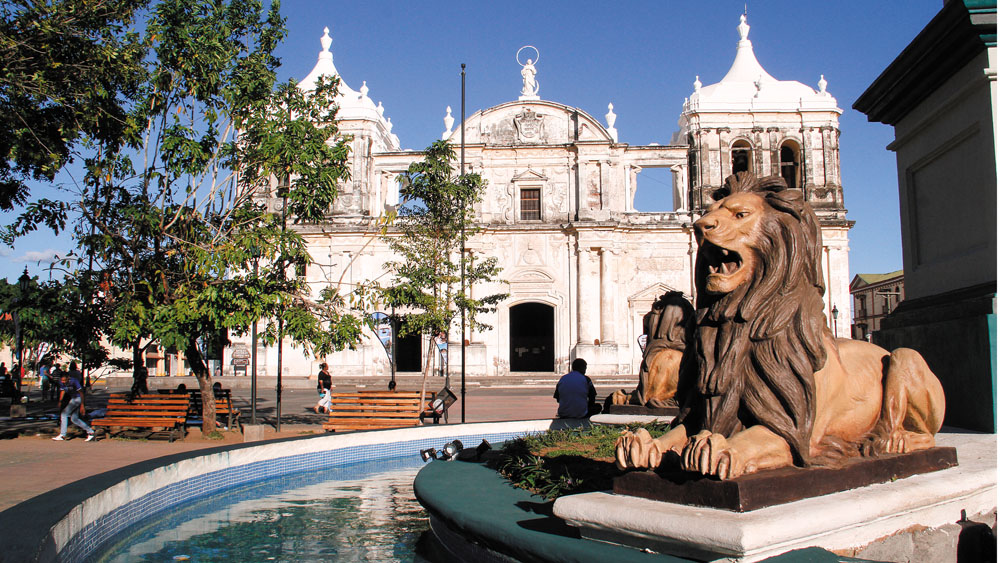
(136, 358)
(201, 372)
(428, 366)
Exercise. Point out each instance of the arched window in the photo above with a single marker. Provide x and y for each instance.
(790, 163)
(741, 156)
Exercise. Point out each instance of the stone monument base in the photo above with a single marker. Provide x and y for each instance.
(847, 522)
(643, 411)
(778, 486)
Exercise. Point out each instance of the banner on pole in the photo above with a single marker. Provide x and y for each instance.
(383, 329)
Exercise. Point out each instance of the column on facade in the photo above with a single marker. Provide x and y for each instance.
(607, 296)
(588, 292)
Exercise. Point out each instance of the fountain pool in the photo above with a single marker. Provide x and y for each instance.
(358, 512)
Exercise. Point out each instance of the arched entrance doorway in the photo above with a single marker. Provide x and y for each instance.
(532, 337)
(408, 352)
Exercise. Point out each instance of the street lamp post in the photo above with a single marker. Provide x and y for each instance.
(23, 283)
(836, 313)
(253, 351)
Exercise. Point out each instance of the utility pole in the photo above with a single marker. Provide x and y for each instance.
(462, 164)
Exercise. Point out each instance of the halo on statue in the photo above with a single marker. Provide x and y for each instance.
(517, 57)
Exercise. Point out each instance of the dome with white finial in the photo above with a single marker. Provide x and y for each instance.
(353, 105)
(748, 87)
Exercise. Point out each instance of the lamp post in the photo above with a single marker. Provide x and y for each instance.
(836, 313)
(255, 251)
(22, 282)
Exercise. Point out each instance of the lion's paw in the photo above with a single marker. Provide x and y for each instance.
(903, 441)
(637, 450)
(710, 454)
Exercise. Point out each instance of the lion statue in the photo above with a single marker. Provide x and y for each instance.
(765, 384)
(667, 327)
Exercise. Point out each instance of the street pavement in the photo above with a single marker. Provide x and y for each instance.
(31, 463)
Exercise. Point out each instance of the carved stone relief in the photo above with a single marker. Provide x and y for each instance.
(530, 126)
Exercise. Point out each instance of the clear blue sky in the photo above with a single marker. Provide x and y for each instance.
(641, 56)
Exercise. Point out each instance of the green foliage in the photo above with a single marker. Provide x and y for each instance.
(562, 462)
(433, 221)
(177, 247)
(67, 68)
(56, 314)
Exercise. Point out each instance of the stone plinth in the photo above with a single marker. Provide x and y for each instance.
(845, 521)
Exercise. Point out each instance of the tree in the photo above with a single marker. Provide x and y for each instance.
(434, 221)
(169, 226)
(67, 68)
(55, 318)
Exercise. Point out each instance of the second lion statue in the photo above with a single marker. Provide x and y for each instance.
(765, 384)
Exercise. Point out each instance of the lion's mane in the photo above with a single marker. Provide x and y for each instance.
(757, 348)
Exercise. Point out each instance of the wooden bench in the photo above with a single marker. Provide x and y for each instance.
(158, 413)
(223, 407)
(374, 410)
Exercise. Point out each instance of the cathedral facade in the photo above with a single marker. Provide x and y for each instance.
(580, 264)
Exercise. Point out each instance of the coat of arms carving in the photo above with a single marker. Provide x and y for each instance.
(530, 126)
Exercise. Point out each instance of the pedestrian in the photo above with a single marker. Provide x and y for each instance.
(75, 373)
(576, 394)
(323, 380)
(43, 378)
(10, 382)
(55, 374)
(71, 407)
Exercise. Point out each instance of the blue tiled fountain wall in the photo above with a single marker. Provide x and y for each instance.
(88, 542)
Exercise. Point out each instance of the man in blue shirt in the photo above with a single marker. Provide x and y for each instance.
(71, 395)
(576, 394)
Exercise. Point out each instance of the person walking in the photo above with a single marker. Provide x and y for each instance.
(71, 400)
(576, 393)
(55, 374)
(43, 378)
(324, 386)
(75, 373)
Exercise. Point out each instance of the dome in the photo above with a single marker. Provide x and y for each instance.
(353, 104)
(748, 87)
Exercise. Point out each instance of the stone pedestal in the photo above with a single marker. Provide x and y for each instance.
(257, 432)
(846, 522)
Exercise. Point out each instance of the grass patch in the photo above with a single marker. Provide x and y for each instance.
(215, 435)
(563, 462)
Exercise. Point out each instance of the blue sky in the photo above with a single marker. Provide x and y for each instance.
(641, 56)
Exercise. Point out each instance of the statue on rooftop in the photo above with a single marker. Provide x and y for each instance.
(528, 72)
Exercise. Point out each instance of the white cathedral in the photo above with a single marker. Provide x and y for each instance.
(580, 264)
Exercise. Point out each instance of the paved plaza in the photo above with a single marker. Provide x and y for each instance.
(31, 463)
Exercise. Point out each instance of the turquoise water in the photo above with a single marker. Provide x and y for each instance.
(360, 512)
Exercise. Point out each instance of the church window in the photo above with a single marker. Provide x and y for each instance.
(790, 163)
(741, 156)
(531, 204)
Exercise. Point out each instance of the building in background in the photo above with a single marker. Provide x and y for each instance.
(873, 297)
(580, 264)
(940, 97)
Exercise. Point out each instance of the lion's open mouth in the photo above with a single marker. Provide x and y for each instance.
(720, 260)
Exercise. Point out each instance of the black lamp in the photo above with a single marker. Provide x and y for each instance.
(428, 454)
(450, 450)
